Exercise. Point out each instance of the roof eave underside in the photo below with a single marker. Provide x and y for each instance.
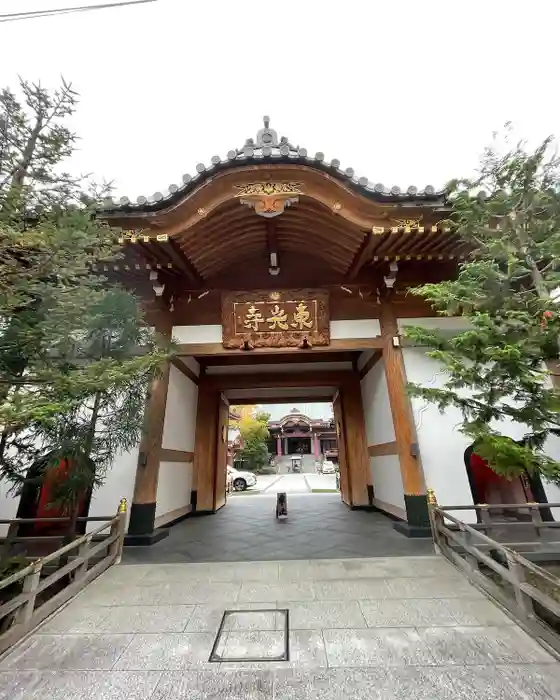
(374, 192)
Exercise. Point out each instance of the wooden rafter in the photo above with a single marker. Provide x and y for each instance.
(361, 256)
(181, 260)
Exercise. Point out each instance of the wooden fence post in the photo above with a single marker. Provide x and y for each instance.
(25, 612)
(83, 550)
(524, 601)
(470, 558)
(536, 517)
(486, 519)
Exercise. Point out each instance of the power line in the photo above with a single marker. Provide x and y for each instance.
(15, 16)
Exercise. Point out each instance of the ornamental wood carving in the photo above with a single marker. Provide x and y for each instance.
(265, 319)
(269, 199)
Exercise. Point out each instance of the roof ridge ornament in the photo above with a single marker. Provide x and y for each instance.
(267, 136)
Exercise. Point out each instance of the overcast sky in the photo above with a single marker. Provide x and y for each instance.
(404, 92)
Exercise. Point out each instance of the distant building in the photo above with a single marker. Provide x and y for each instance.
(295, 433)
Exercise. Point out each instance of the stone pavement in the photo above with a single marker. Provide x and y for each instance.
(319, 526)
(369, 629)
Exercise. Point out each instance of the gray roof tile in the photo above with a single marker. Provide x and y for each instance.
(267, 146)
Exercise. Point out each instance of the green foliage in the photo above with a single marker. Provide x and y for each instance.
(75, 354)
(509, 216)
(253, 429)
(254, 453)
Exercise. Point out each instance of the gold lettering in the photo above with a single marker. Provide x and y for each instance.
(301, 317)
(277, 319)
(252, 318)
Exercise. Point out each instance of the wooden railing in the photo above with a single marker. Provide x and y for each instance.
(75, 564)
(530, 593)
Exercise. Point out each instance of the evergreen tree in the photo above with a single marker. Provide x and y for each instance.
(75, 354)
(509, 217)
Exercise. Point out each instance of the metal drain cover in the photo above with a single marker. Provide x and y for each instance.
(252, 636)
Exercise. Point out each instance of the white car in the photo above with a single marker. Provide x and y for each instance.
(240, 481)
(327, 467)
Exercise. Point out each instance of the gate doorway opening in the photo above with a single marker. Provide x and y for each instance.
(266, 379)
(279, 448)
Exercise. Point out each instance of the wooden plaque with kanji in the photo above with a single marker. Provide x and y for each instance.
(264, 319)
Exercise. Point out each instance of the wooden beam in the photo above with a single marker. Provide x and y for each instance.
(292, 380)
(298, 398)
(382, 449)
(217, 349)
(277, 359)
(373, 360)
(185, 369)
(361, 256)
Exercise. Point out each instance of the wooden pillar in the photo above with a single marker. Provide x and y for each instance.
(205, 451)
(316, 448)
(355, 441)
(278, 445)
(414, 488)
(143, 508)
(220, 479)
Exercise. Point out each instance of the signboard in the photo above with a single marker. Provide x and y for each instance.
(267, 319)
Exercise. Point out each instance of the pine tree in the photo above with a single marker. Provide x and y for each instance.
(75, 353)
(509, 216)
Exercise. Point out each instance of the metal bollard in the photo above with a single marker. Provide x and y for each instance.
(281, 505)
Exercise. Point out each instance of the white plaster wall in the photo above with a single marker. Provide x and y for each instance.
(386, 480)
(174, 490)
(359, 328)
(197, 334)
(552, 491)
(385, 471)
(180, 412)
(377, 410)
(444, 323)
(8, 506)
(442, 445)
(119, 483)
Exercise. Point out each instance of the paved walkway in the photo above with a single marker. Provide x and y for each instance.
(367, 629)
(319, 526)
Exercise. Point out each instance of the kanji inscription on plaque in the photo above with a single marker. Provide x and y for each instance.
(275, 319)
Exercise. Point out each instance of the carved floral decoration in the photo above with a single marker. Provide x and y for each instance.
(269, 199)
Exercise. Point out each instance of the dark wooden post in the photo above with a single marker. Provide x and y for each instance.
(418, 521)
(143, 508)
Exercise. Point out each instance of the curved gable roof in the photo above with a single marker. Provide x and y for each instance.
(267, 148)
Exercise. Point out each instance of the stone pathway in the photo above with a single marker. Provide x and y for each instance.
(384, 628)
(319, 526)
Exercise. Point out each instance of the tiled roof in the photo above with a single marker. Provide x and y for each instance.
(267, 148)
